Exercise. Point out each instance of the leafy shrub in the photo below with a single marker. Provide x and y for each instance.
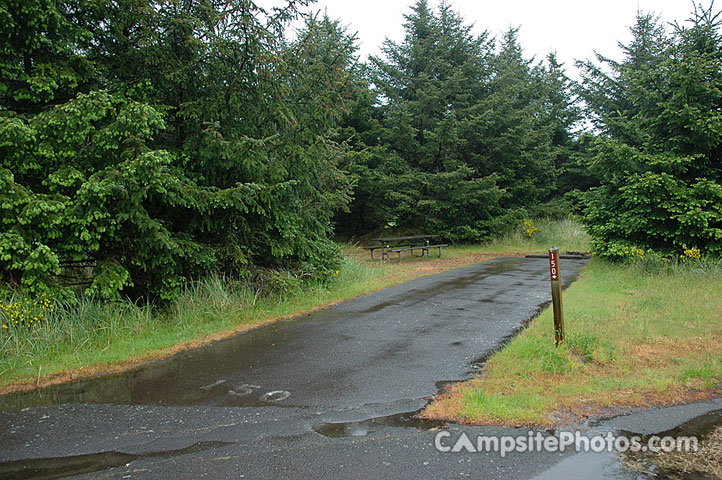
(220, 165)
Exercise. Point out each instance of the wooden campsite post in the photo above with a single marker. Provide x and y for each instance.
(556, 279)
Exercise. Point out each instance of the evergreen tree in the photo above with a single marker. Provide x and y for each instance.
(448, 103)
(411, 172)
(43, 48)
(510, 135)
(563, 113)
(430, 84)
(605, 85)
(204, 143)
(658, 160)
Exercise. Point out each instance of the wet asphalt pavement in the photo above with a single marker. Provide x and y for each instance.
(327, 395)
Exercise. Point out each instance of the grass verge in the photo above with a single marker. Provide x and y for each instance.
(636, 336)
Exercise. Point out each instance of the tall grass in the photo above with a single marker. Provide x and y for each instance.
(90, 332)
(65, 331)
(568, 234)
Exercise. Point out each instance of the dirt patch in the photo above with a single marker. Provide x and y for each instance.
(656, 353)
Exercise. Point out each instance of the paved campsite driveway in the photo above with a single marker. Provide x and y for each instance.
(326, 395)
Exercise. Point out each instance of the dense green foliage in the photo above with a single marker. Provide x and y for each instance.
(464, 136)
(145, 143)
(658, 155)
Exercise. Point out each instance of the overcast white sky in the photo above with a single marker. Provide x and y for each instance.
(572, 28)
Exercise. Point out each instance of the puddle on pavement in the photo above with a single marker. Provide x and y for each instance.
(704, 464)
(593, 465)
(644, 465)
(700, 426)
(149, 386)
(365, 427)
(59, 467)
(403, 420)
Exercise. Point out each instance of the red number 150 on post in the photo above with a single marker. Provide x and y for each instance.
(554, 265)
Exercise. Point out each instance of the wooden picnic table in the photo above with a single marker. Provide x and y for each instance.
(405, 243)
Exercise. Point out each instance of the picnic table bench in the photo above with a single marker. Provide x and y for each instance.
(397, 245)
